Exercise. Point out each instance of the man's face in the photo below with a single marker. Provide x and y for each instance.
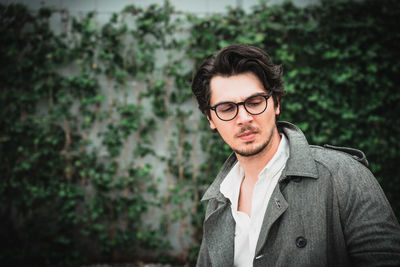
(246, 134)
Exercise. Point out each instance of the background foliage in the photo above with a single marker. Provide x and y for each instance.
(90, 116)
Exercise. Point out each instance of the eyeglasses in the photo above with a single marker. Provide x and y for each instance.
(254, 105)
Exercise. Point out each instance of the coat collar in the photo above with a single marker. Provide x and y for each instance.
(300, 163)
(213, 190)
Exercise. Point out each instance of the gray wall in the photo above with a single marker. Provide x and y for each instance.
(107, 6)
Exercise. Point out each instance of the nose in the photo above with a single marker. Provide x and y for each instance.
(243, 116)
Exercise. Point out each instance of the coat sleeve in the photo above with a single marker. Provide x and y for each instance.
(371, 230)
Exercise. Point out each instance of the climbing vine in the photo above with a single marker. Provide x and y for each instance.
(105, 156)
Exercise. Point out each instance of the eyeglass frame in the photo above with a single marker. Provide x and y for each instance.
(267, 96)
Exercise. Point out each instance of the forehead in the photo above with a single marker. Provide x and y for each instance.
(234, 88)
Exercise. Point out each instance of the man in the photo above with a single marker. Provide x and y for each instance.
(278, 201)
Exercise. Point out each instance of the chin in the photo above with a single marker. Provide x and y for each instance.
(251, 152)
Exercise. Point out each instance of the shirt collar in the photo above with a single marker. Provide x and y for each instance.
(230, 186)
(278, 161)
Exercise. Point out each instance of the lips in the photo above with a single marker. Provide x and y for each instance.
(247, 135)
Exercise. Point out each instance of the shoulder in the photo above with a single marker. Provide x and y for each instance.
(346, 168)
(329, 153)
(342, 161)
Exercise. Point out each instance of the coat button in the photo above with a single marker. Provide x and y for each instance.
(301, 242)
(278, 203)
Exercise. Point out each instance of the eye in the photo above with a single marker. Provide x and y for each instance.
(226, 107)
(255, 101)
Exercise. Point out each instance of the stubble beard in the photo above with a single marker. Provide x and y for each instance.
(256, 150)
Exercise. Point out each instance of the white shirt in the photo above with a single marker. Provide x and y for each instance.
(248, 228)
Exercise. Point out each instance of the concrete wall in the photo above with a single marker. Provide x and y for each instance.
(107, 6)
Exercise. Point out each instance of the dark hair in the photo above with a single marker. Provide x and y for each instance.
(234, 60)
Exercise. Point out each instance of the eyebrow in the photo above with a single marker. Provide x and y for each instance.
(255, 94)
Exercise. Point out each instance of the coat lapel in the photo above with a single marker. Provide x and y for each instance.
(219, 233)
(276, 207)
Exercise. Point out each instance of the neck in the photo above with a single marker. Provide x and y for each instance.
(253, 165)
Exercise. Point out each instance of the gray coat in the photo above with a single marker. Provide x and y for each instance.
(327, 210)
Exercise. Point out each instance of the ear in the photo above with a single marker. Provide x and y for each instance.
(212, 125)
(277, 109)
